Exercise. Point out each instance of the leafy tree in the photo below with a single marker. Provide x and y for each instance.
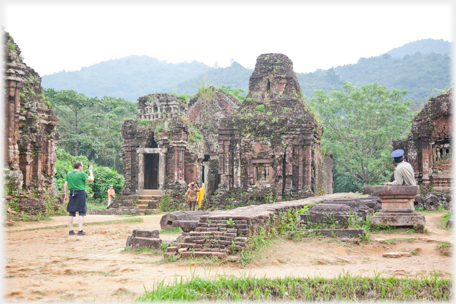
(98, 133)
(76, 103)
(360, 126)
(104, 176)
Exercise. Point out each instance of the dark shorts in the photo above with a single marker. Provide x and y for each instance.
(77, 203)
(79, 213)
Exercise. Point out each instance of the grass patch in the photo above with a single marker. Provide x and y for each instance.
(95, 206)
(344, 287)
(398, 240)
(444, 221)
(129, 220)
(176, 230)
(445, 248)
(140, 250)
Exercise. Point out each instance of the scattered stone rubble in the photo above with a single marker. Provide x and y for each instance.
(433, 200)
(30, 134)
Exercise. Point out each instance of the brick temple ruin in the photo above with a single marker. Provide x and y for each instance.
(428, 146)
(263, 150)
(30, 140)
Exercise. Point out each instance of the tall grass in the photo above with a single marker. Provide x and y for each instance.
(344, 287)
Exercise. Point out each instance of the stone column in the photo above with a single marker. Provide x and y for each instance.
(397, 207)
(161, 171)
(140, 170)
(307, 167)
(425, 159)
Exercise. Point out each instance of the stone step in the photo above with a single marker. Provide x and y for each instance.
(150, 197)
(145, 201)
(151, 192)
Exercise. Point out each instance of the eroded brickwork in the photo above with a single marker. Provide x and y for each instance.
(428, 146)
(30, 129)
(271, 144)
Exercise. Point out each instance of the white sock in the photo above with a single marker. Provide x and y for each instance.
(70, 222)
(81, 220)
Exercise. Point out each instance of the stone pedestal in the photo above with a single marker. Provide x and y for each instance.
(397, 207)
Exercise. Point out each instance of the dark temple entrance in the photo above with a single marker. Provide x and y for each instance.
(151, 171)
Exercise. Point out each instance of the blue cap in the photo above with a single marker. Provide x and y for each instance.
(397, 153)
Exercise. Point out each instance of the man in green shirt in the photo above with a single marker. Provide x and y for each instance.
(75, 181)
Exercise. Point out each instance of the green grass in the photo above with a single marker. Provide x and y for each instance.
(342, 288)
(176, 230)
(394, 241)
(95, 206)
(129, 220)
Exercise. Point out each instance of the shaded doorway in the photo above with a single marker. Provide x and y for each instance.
(151, 171)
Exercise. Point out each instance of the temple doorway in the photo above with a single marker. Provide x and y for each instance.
(151, 171)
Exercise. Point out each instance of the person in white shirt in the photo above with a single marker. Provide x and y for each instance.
(403, 175)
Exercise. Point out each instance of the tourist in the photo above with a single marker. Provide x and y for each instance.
(111, 194)
(192, 194)
(75, 181)
(403, 174)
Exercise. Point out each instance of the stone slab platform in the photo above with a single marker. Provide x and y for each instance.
(226, 231)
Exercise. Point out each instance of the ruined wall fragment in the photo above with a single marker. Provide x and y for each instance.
(30, 129)
(428, 146)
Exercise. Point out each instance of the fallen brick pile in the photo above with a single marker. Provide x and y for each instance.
(224, 232)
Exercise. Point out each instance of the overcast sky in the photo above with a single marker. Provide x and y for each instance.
(55, 37)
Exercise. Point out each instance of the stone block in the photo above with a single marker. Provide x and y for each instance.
(450, 223)
(391, 254)
(146, 233)
(129, 238)
(169, 254)
(172, 249)
(151, 211)
(188, 225)
(186, 254)
(138, 242)
(185, 245)
(399, 219)
(152, 204)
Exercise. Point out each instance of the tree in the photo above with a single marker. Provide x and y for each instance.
(98, 132)
(359, 127)
(75, 102)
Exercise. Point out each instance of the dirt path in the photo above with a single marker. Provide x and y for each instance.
(50, 265)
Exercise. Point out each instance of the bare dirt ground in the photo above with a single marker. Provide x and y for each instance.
(50, 265)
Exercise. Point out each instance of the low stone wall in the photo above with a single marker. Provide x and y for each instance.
(221, 231)
(115, 211)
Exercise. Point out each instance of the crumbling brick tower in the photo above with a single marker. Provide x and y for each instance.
(428, 146)
(30, 140)
(271, 144)
(154, 144)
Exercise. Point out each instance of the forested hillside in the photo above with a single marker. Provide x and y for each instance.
(423, 46)
(128, 78)
(418, 67)
(419, 74)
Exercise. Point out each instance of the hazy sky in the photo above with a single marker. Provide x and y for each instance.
(55, 37)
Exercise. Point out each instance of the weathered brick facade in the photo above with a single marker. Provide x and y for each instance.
(272, 141)
(263, 150)
(428, 146)
(30, 136)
